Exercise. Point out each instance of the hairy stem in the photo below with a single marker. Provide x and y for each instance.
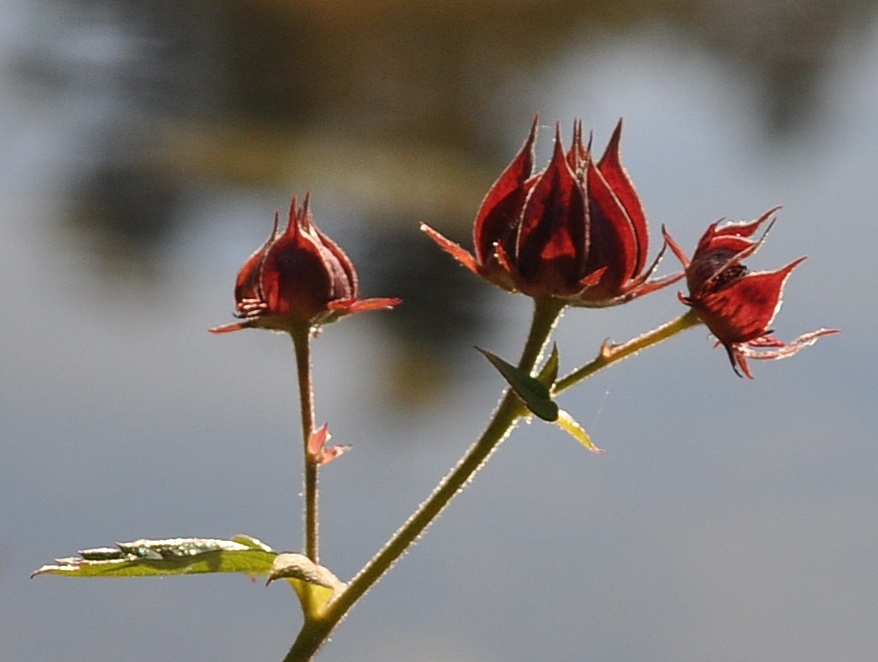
(302, 345)
(611, 354)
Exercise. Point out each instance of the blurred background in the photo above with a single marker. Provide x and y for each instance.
(146, 146)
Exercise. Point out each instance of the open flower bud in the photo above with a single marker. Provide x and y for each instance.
(737, 305)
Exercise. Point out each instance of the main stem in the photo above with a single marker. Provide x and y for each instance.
(317, 627)
(302, 345)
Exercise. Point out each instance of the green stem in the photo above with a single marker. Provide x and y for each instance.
(611, 354)
(318, 627)
(302, 343)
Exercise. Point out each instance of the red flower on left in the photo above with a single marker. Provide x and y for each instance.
(298, 277)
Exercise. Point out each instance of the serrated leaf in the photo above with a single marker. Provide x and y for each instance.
(568, 424)
(314, 584)
(533, 393)
(549, 372)
(173, 556)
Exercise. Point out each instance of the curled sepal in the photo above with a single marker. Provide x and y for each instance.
(769, 348)
(314, 584)
(567, 423)
(172, 556)
(533, 393)
(318, 452)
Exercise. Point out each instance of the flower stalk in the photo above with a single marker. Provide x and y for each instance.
(611, 353)
(301, 336)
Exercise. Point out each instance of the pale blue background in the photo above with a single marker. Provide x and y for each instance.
(730, 521)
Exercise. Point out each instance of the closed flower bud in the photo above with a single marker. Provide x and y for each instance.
(575, 231)
(298, 277)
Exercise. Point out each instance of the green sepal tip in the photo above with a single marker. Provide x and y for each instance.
(533, 392)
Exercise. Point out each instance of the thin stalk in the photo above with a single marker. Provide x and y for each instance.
(611, 354)
(318, 627)
(302, 344)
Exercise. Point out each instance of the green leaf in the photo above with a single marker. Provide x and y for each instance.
(314, 584)
(549, 372)
(534, 393)
(568, 424)
(250, 541)
(174, 556)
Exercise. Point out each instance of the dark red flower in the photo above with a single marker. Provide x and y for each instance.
(575, 231)
(298, 277)
(736, 305)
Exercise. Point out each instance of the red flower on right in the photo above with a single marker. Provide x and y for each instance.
(736, 305)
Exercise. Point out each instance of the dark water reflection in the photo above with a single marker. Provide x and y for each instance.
(146, 147)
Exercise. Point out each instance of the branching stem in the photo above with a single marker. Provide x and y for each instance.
(320, 623)
(318, 627)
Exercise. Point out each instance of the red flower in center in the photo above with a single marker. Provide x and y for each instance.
(574, 231)
(736, 305)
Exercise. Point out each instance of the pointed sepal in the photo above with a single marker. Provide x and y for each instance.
(567, 423)
(318, 451)
(532, 391)
(548, 374)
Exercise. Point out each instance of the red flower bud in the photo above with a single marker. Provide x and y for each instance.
(298, 277)
(575, 231)
(736, 305)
